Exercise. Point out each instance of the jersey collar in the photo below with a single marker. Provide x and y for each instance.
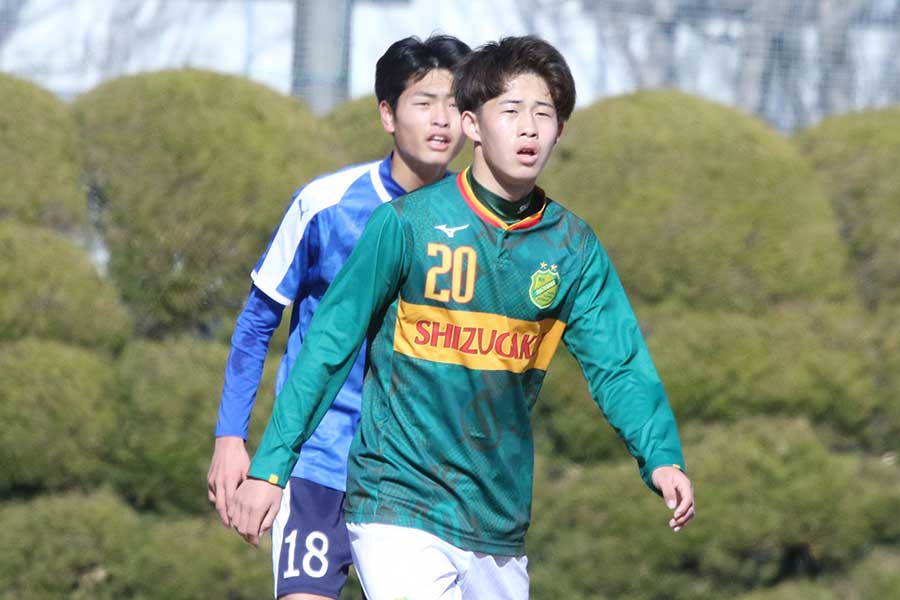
(486, 214)
(390, 189)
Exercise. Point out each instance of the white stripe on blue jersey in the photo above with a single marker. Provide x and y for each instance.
(322, 193)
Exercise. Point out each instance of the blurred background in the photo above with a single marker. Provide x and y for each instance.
(739, 161)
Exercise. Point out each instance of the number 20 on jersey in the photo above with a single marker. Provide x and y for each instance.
(461, 263)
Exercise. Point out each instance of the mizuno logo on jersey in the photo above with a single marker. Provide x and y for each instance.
(474, 340)
(451, 231)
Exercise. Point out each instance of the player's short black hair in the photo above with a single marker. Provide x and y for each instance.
(408, 60)
(485, 73)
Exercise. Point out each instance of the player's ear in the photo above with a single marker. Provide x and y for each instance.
(387, 116)
(469, 121)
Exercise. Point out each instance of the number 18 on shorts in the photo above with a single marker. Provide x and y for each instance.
(310, 546)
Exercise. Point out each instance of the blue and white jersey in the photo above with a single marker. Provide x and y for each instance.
(315, 237)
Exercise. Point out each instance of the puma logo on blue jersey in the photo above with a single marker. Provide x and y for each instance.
(450, 231)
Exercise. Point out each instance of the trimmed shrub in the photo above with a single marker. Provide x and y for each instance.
(802, 590)
(831, 363)
(766, 514)
(877, 577)
(169, 393)
(167, 415)
(57, 417)
(39, 158)
(357, 127)
(198, 558)
(857, 157)
(96, 547)
(887, 368)
(67, 546)
(811, 360)
(193, 171)
(53, 291)
(698, 204)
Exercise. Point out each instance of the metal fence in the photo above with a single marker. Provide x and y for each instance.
(792, 62)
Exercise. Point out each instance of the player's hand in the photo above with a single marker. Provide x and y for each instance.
(253, 508)
(228, 468)
(678, 493)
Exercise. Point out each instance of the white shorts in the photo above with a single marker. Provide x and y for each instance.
(401, 562)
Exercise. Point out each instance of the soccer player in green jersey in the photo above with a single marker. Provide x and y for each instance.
(464, 289)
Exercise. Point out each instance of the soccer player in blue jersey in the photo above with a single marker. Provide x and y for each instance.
(310, 547)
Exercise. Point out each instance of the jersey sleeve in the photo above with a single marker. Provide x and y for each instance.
(253, 331)
(364, 288)
(277, 280)
(281, 270)
(603, 335)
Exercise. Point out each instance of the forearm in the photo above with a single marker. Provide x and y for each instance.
(253, 331)
(638, 409)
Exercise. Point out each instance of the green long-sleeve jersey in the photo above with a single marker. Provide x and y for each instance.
(463, 313)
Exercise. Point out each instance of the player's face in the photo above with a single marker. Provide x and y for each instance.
(516, 132)
(425, 124)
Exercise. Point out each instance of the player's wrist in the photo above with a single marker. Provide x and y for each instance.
(230, 440)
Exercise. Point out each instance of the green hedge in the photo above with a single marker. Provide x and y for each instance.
(795, 590)
(857, 157)
(169, 393)
(168, 406)
(765, 513)
(887, 367)
(51, 290)
(812, 360)
(698, 204)
(832, 363)
(39, 158)
(191, 558)
(95, 547)
(874, 578)
(878, 576)
(356, 125)
(194, 171)
(57, 416)
(67, 546)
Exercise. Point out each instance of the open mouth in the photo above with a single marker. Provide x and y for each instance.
(527, 155)
(438, 141)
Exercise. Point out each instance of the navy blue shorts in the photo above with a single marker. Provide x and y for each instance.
(310, 545)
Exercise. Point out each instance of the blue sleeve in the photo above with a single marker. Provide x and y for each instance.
(243, 372)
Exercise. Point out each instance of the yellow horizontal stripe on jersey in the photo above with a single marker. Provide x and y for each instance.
(475, 340)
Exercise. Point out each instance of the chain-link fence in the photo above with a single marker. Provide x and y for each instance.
(792, 62)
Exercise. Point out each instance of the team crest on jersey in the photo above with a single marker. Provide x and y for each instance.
(544, 286)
